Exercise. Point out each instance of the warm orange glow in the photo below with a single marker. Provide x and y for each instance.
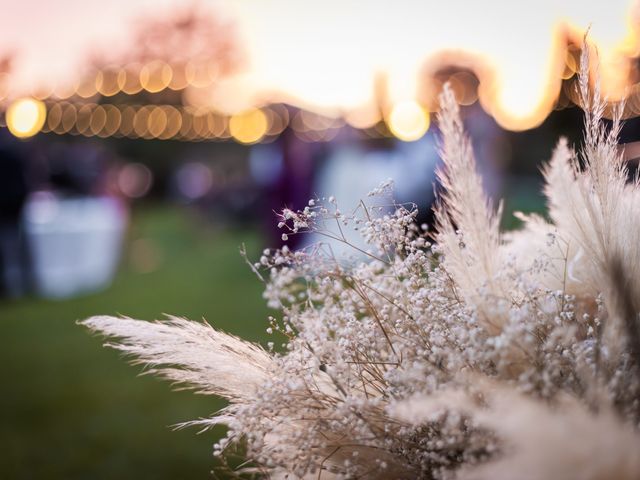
(155, 76)
(54, 117)
(278, 119)
(199, 124)
(131, 74)
(179, 80)
(174, 122)
(110, 81)
(97, 120)
(157, 122)
(87, 88)
(249, 127)
(363, 117)
(69, 117)
(200, 74)
(408, 121)
(112, 121)
(26, 117)
(186, 124)
(84, 118)
(141, 121)
(328, 56)
(127, 121)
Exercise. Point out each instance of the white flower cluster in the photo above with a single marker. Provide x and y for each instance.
(485, 355)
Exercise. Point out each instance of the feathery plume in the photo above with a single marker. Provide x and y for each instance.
(487, 355)
(191, 354)
(468, 228)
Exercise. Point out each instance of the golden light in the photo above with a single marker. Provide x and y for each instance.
(140, 122)
(54, 117)
(65, 89)
(97, 120)
(174, 122)
(200, 74)
(465, 87)
(127, 120)
(364, 117)
(211, 124)
(156, 122)
(186, 124)
(329, 63)
(571, 63)
(179, 80)
(155, 76)
(249, 127)
(408, 121)
(110, 81)
(223, 127)
(69, 117)
(87, 88)
(112, 121)
(131, 74)
(199, 125)
(42, 92)
(84, 119)
(26, 117)
(278, 120)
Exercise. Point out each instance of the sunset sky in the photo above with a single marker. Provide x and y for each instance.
(326, 54)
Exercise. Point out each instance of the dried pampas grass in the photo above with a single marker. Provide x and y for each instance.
(488, 355)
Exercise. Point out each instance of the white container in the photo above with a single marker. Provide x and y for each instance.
(75, 243)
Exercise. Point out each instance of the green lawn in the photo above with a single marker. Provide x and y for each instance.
(72, 409)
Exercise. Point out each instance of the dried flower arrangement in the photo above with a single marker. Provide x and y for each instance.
(484, 355)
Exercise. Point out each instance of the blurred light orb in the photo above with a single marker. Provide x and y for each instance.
(135, 180)
(155, 76)
(408, 121)
(156, 122)
(26, 117)
(194, 180)
(249, 127)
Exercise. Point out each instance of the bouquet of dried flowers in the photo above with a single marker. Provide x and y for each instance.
(472, 354)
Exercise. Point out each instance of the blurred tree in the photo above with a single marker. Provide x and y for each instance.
(188, 35)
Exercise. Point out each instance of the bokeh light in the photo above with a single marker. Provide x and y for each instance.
(249, 127)
(84, 119)
(135, 180)
(155, 76)
(26, 117)
(156, 122)
(69, 117)
(131, 74)
(54, 117)
(97, 120)
(112, 121)
(408, 121)
(110, 81)
(194, 180)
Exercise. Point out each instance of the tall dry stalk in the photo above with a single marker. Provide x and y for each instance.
(488, 356)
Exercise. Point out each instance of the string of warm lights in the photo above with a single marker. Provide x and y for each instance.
(27, 116)
(70, 111)
(73, 112)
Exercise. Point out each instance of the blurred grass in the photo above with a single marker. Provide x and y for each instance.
(71, 409)
(522, 194)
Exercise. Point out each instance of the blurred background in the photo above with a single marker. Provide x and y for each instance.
(142, 143)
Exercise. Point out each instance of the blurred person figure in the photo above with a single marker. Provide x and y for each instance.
(490, 148)
(13, 193)
(353, 169)
(291, 183)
